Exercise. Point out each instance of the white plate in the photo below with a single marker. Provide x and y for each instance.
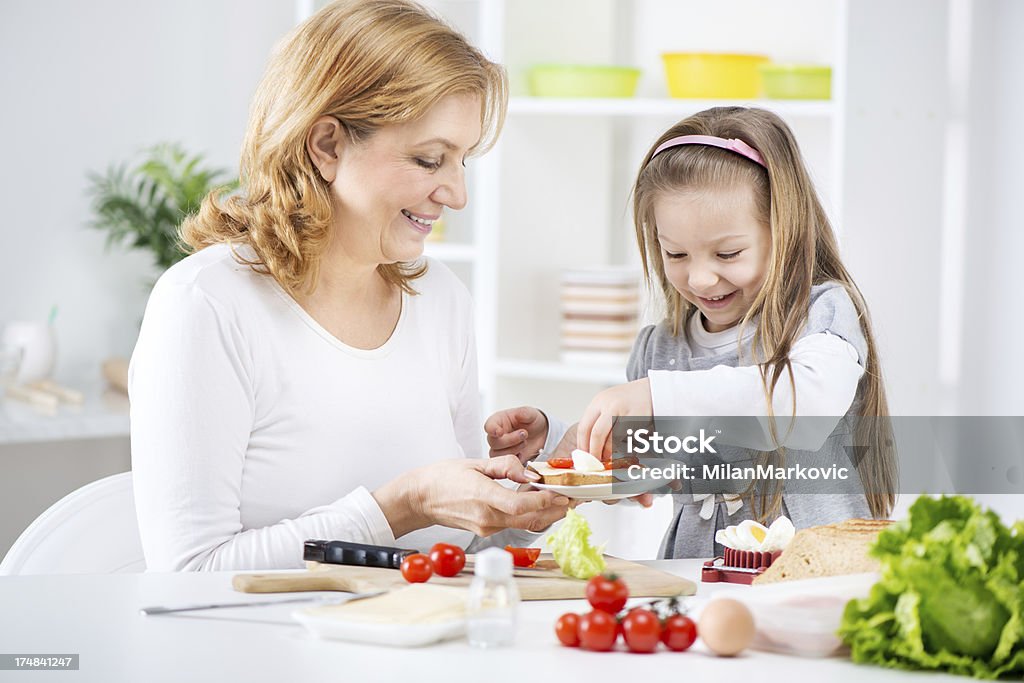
(622, 489)
(393, 634)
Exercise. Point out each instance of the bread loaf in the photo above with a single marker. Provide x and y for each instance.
(829, 550)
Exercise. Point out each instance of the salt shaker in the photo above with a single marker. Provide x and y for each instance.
(493, 600)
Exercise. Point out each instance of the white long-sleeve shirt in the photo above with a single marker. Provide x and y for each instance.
(826, 372)
(254, 429)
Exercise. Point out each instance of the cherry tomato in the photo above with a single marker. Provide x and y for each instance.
(607, 592)
(621, 463)
(448, 560)
(641, 630)
(597, 631)
(560, 463)
(523, 557)
(567, 628)
(679, 632)
(416, 568)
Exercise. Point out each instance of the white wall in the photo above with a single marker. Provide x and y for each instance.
(86, 84)
(992, 332)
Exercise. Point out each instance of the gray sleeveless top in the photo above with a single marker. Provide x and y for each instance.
(689, 535)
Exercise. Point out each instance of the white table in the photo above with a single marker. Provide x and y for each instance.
(97, 617)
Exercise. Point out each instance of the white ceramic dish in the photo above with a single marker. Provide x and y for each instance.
(391, 634)
(616, 491)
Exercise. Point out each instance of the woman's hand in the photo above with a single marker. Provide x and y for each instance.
(595, 427)
(464, 494)
(517, 431)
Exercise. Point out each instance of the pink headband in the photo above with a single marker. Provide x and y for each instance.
(733, 145)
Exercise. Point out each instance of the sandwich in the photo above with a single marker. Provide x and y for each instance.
(582, 469)
(829, 550)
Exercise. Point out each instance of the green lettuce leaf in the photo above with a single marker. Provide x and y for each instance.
(570, 544)
(950, 597)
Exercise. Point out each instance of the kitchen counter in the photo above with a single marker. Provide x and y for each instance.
(97, 617)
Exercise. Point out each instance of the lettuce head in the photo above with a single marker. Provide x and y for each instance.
(950, 597)
(570, 544)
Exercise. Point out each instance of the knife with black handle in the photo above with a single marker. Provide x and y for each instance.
(358, 554)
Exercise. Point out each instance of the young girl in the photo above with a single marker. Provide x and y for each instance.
(762, 320)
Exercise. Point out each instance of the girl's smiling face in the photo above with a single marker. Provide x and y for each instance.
(715, 250)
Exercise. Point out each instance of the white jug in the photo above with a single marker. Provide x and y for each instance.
(38, 348)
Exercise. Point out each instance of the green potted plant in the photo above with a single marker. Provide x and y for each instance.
(142, 207)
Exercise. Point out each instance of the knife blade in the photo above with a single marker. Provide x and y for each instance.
(150, 611)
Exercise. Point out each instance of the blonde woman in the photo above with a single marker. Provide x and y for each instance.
(762, 319)
(305, 373)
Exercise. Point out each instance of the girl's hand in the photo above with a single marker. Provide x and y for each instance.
(463, 494)
(595, 427)
(517, 431)
(565, 448)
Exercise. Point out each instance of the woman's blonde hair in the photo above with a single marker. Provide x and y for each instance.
(804, 252)
(369, 64)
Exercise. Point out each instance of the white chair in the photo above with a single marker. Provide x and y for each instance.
(92, 530)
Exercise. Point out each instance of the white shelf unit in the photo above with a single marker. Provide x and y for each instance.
(559, 153)
(562, 169)
(656, 106)
(553, 193)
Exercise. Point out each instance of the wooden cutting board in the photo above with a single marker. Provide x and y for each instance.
(545, 581)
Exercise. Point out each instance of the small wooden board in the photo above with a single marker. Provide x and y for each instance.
(545, 581)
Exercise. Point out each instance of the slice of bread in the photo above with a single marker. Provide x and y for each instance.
(829, 550)
(555, 476)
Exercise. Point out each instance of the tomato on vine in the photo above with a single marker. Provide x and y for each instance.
(679, 632)
(607, 592)
(641, 630)
(598, 631)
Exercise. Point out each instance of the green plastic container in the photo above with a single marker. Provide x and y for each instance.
(576, 80)
(796, 81)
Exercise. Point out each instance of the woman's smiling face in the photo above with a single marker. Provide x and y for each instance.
(391, 187)
(715, 250)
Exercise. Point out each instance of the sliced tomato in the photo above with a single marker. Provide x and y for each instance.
(560, 463)
(621, 463)
(523, 557)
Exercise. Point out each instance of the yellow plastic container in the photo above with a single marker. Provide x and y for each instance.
(575, 80)
(709, 75)
(796, 81)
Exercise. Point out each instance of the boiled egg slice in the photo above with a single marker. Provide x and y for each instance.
(585, 462)
(727, 537)
(750, 535)
(780, 533)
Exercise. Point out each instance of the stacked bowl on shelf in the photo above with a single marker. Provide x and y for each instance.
(723, 75)
(600, 313)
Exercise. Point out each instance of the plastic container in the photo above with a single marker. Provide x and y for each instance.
(801, 617)
(574, 80)
(796, 81)
(493, 601)
(708, 75)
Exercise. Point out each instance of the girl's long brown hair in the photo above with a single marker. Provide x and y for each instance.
(804, 253)
(368, 63)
